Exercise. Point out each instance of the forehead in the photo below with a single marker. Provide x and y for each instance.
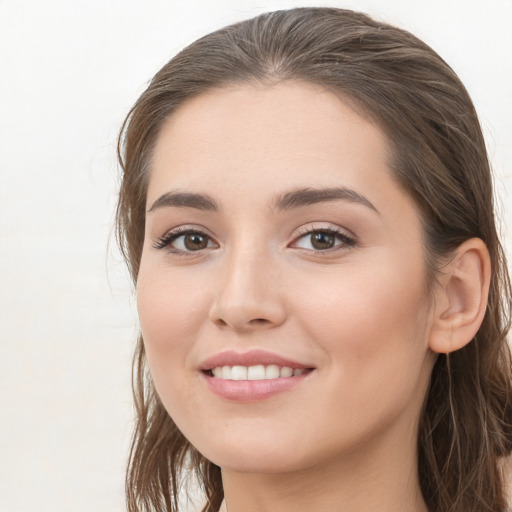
(268, 138)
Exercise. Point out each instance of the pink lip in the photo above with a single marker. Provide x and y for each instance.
(250, 390)
(250, 358)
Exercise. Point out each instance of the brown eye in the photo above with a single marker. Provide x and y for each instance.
(322, 240)
(195, 241)
(183, 242)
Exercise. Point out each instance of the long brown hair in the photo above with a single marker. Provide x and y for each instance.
(439, 158)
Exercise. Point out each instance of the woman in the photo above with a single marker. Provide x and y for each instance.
(307, 213)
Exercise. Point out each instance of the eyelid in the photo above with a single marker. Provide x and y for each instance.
(349, 239)
(173, 234)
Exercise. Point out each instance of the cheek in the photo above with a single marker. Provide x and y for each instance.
(171, 310)
(171, 313)
(372, 327)
(371, 321)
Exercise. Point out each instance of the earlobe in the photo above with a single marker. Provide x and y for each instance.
(461, 297)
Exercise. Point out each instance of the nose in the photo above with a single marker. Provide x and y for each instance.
(249, 295)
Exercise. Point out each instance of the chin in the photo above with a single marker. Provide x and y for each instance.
(253, 455)
(256, 462)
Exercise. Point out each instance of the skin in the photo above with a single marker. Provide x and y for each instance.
(360, 313)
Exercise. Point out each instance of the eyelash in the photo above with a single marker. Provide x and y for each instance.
(166, 240)
(346, 240)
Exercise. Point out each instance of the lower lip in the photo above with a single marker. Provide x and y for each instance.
(251, 390)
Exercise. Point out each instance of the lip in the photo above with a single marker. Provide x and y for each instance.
(247, 391)
(249, 358)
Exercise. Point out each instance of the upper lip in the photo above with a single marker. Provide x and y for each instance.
(249, 358)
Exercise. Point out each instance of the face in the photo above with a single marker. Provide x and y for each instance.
(282, 291)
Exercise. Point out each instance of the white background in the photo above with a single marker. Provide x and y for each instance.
(69, 71)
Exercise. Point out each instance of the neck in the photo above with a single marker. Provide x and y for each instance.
(373, 480)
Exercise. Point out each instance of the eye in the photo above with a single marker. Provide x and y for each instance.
(323, 240)
(179, 241)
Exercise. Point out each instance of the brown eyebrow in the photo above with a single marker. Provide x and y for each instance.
(308, 196)
(185, 199)
(286, 201)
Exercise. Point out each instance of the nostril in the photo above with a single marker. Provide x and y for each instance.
(258, 321)
(254, 323)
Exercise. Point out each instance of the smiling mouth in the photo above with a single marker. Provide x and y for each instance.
(255, 372)
(252, 376)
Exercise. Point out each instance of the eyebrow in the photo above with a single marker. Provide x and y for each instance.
(287, 201)
(187, 200)
(308, 196)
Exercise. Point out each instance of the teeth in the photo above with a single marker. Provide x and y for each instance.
(257, 372)
(226, 372)
(239, 373)
(272, 371)
(286, 372)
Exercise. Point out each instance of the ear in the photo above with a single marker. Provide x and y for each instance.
(461, 297)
